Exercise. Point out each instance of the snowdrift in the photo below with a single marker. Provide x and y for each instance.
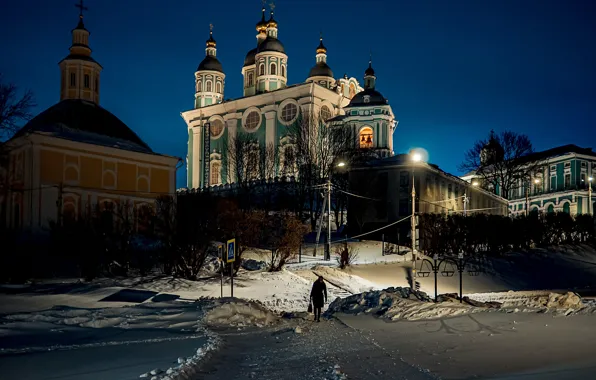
(240, 313)
(403, 304)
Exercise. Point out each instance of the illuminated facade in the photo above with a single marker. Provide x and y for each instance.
(270, 107)
(76, 155)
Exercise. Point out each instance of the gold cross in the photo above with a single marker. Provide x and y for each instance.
(81, 8)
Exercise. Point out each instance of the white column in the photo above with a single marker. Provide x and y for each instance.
(270, 128)
(197, 157)
(232, 125)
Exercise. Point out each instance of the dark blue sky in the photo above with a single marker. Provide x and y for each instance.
(451, 69)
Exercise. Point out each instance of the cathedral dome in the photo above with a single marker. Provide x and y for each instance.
(321, 69)
(210, 63)
(87, 122)
(271, 44)
(368, 97)
(250, 57)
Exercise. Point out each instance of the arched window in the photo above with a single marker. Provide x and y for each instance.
(218, 87)
(250, 79)
(273, 69)
(215, 173)
(262, 69)
(550, 209)
(209, 86)
(566, 208)
(199, 86)
(283, 71)
(352, 90)
(366, 137)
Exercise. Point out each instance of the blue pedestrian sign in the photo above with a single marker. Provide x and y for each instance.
(231, 257)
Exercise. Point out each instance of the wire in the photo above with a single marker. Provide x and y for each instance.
(359, 196)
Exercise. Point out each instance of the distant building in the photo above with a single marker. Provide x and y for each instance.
(560, 184)
(76, 155)
(384, 194)
(270, 107)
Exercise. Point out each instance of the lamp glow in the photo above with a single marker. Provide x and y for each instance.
(475, 183)
(341, 164)
(416, 157)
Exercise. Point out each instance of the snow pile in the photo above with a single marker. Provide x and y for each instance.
(240, 313)
(532, 301)
(187, 368)
(399, 303)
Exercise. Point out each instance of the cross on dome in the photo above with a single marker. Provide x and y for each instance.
(81, 8)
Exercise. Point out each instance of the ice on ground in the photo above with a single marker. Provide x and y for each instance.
(240, 313)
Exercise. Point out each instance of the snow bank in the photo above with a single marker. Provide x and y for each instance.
(399, 303)
(240, 313)
(532, 301)
(187, 368)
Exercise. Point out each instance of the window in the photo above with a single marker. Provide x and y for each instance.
(199, 88)
(250, 79)
(215, 173)
(273, 69)
(325, 113)
(283, 71)
(584, 164)
(567, 165)
(567, 180)
(252, 120)
(289, 112)
(216, 127)
(366, 137)
(449, 191)
(73, 80)
(209, 86)
(288, 164)
(86, 79)
(403, 207)
(583, 179)
(218, 87)
(262, 69)
(404, 178)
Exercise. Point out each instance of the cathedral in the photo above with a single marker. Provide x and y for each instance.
(270, 107)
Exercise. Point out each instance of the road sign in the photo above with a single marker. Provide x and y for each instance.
(231, 256)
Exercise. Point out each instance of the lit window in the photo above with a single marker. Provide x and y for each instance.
(366, 137)
(216, 128)
(273, 69)
(289, 112)
(215, 175)
(325, 113)
(252, 120)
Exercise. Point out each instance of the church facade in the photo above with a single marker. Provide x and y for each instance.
(271, 107)
(76, 155)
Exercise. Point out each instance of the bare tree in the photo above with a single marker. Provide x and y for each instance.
(15, 110)
(500, 161)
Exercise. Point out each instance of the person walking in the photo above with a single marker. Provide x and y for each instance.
(318, 297)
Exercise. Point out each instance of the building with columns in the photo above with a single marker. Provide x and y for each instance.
(270, 107)
(76, 155)
(561, 182)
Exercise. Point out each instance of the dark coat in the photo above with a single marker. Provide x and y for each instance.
(318, 293)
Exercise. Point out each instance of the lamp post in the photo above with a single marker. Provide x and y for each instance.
(416, 157)
(590, 206)
(328, 250)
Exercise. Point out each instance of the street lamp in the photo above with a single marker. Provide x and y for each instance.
(340, 164)
(590, 206)
(475, 183)
(416, 157)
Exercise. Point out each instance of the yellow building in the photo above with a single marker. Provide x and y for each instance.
(76, 155)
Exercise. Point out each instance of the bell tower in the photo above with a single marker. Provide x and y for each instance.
(79, 77)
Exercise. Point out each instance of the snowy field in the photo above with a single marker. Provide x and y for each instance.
(127, 327)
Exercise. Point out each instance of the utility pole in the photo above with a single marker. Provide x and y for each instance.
(328, 253)
(465, 204)
(590, 205)
(413, 232)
